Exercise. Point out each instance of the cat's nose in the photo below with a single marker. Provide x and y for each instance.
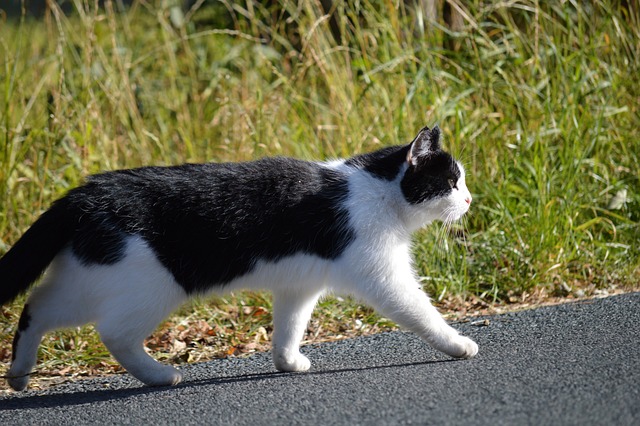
(468, 200)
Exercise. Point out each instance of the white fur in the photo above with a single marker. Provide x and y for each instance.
(127, 300)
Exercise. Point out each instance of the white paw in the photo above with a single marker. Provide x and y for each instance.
(291, 362)
(465, 348)
(18, 383)
(164, 376)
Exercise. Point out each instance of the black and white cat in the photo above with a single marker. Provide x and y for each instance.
(128, 247)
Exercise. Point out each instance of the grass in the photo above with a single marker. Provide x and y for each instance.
(539, 101)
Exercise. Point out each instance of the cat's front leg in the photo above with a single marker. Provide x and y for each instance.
(404, 302)
(291, 312)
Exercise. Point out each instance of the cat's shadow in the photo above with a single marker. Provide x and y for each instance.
(87, 397)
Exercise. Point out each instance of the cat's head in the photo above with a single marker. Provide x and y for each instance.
(434, 182)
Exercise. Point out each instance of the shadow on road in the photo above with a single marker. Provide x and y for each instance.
(87, 397)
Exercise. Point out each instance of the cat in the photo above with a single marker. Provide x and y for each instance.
(128, 247)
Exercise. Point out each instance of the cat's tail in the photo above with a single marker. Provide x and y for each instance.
(29, 257)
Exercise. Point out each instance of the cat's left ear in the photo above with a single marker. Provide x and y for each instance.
(426, 143)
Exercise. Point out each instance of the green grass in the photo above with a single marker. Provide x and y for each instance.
(540, 102)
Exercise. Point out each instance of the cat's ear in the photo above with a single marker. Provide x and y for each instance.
(426, 143)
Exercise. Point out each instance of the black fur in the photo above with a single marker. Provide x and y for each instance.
(385, 163)
(210, 223)
(431, 171)
(23, 324)
(428, 174)
(430, 177)
(30, 256)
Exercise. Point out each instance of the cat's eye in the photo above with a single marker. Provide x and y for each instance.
(452, 184)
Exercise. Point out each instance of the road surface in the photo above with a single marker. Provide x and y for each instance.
(576, 363)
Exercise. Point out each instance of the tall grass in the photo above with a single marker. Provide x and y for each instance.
(539, 101)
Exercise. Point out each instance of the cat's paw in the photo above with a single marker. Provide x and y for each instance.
(465, 348)
(289, 362)
(164, 376)
(456, 346)
(18, 383)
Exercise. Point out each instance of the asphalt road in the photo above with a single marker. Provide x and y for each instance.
(576, 364)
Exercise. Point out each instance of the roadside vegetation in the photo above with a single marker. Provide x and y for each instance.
(540, 101)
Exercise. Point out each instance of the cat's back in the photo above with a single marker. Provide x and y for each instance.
(267, 176)
(225, 199)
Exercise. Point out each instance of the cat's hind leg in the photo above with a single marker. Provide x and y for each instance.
(291, 313)
(55, 303)
(123, 330)
(141, 294)
(24, 353)
(129, 352)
